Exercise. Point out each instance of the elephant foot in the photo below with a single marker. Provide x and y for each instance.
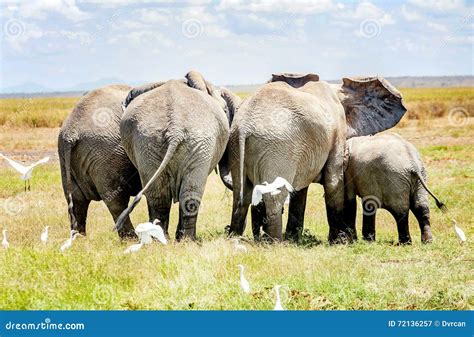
(128, 235)
(369, 237)
(427, 236)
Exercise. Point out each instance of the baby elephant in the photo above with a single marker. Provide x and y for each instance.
(386, 172)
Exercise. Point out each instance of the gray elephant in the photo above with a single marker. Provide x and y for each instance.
(299, 133)
(386, 171)
(176, 134)
(94, 165)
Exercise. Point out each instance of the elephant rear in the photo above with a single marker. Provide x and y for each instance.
(94, 165)
(176, 134)
(386, 171)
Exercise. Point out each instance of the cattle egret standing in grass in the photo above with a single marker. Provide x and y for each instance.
(68, 243)
(278, 305)
(146, 232)
(238, 246)
(25, 171)
(44, 235)
(459, 232)
(5, 243)
(273, 189)
(244, 284)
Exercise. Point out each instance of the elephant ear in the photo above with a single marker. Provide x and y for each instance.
(196, 80)
(295, 80)
(371, 105)
(232, 103)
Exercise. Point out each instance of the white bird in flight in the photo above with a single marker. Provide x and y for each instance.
(25, 171)
(5, 243)
(278, 305)
(44, 235)
(68, 243)
(273, 189)
(459, 232)
(146, 232)
(244, 284)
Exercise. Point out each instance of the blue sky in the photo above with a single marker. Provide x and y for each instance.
(61, 43)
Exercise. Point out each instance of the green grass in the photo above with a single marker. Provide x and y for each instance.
(95, 274)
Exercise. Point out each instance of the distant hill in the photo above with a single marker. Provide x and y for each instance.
(37, 90)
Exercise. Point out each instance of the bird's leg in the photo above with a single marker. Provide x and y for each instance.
(29, 186)
(25, 185)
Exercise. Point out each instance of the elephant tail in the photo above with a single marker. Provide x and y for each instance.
(241, 164)
(439, 204)
(169, 154)
(67, 149)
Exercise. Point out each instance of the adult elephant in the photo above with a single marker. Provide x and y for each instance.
(94, 165)
(175, 134)
(295, 127)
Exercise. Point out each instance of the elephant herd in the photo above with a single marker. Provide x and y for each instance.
(162, 140)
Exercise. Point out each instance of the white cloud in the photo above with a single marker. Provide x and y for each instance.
(161, 16)
(366, 11)
(40, 9)
(437, 26)
(410, 14)
(440, 5)
(288, 6)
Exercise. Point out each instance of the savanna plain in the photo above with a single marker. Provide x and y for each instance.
(96, 274)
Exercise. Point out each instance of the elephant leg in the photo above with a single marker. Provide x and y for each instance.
(422, 214)
(402, 226)
(259, 217)
(190, 197)
(333, 183)
(368, 225)
(350, 214)
(116, 206)
(159, 208)
(240, 209)
(274, 207)
(80, 206)
(295, 224)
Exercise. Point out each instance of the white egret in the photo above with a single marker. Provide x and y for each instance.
(133, 248)
(44, 235)
(459, 232)
(25, 171)
(5, 243)
(278, 305)
(146, 232)
(68, 243)
(238, 246)
(244, 284)
(273, 189)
